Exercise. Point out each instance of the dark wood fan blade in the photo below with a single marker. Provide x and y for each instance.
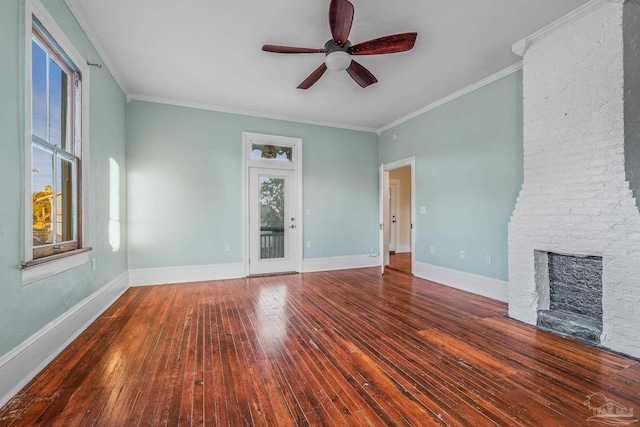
(313, 77)
(290, 49)
(340, 20)
(388, 44)
(361, 75)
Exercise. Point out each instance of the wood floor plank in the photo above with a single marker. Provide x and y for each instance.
(344, 348)
(163, 386)
(467, 353)
(221, 398)
(177, 364)
(270, 409)
(247, 393)
(57, 373)
(453, 410)
(209, 374)
(342, 409)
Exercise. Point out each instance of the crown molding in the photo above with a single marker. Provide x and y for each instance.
(93, 38)
(518, 48)
(477, 85)
(220, 109)
(521, 46)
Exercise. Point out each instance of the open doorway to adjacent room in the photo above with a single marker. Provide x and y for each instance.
(397, 215)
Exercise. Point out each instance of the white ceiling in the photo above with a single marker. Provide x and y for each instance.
(208, 53)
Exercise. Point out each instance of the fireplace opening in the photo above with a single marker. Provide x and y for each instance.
(573, 305)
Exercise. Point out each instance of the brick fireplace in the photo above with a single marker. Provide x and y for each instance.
(581, 183)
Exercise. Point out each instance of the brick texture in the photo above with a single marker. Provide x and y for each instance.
(575, 198)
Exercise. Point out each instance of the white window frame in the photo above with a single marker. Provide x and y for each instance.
(53, 265)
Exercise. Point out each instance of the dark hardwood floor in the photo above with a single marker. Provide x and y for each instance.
(400, 261)
(332, 348)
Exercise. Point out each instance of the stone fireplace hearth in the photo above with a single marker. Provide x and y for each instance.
(574, 286)
(581, 175)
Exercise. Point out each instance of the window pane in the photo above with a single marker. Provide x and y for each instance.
(272, 217)
(38, 90)
(271, 152)
(65, 201)
(42, 196)
(57, 104)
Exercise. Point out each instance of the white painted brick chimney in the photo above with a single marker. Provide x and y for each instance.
(581, 163)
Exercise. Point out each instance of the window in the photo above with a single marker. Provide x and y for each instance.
(56, 155)
(271, 152)
(55, 90)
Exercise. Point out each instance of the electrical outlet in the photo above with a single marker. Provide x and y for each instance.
(93, 264)
(308, 212)
(432, 250)
(308, 244)
(487, 259)
(423, 210)
(227, 247)
(461, 254)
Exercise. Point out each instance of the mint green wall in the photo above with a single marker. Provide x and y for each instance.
(468, 175)
(26, 309)
(185, 186)
(183, 170)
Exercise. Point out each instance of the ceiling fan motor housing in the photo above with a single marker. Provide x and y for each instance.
(331, 46)
(337, 57)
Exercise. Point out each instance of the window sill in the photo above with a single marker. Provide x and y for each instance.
(42, 268)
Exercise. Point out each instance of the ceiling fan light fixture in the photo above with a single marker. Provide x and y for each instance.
(338, 60)
(338, 48)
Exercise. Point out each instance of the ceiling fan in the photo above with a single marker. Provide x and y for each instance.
(338, 50)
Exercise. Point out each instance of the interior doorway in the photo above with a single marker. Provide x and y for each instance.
(397, 212)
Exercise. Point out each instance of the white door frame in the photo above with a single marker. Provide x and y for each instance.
(384, 171)
(249, 138)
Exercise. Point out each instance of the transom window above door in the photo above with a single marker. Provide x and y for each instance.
(271, 152)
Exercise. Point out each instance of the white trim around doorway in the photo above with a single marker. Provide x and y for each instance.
(296, 165)
(386, 167)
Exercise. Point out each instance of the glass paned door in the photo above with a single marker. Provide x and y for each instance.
(273, 226)
(271, 195)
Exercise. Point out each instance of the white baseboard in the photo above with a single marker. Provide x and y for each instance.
(339, 263)
(199, 273)
(403, 249)
(22, 363)
(480, 285)
(184, 274)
